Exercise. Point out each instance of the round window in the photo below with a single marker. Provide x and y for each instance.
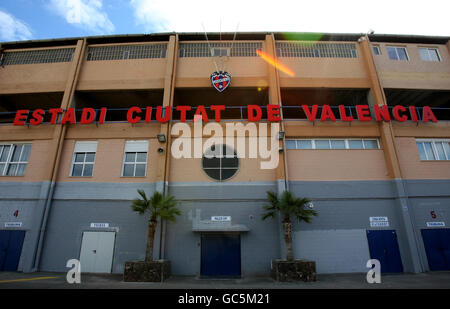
(220, 162)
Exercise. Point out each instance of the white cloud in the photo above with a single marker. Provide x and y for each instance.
(86, 14)
(12, 29)
(345, 16)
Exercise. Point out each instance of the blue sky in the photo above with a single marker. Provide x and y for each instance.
(47, 19)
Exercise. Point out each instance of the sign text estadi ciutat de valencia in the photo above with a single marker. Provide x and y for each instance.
(313, 113)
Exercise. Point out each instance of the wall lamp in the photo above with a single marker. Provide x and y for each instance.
(161, 138)
(280, 135)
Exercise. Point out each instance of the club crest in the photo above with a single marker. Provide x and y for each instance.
(220, 80)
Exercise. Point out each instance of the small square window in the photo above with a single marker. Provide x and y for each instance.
(434, 149)
(397, 53)
(304, 144)
(376, 50)
(128, 170)
(83, 159)
(355, 144)
(135, 159)
(322, 144)
(370, 144)
(291, 144)
(338, 144)
(429, 54)
(77, 170)
(14, 159)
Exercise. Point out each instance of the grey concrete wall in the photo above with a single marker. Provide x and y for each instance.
(407, 204)
(243, 202)
(342, 206)
(258, 246)
(77, 205)
(424, 197)
(334, 251)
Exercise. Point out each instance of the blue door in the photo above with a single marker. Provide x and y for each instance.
(10, 249)
(220, 255)
(437, 247)
(383, 246)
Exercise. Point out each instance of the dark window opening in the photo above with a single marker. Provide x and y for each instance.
(220, 162)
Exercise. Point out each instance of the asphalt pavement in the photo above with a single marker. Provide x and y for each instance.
(47, 280)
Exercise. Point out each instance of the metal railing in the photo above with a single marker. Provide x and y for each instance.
(316, 50)
(124, 52)
(38, 56)
(236, 49)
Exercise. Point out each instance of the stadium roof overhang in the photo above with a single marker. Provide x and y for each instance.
(240, 36)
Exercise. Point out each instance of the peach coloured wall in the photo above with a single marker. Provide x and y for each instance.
(440, 129)
(30, 78)
(245, 71)
(122, 74)
(414, 73)
(108, 162)
(411, 165)
(323, 165)
(331, 129)
(37, 163)
(325, 72)
(110, 150)
(190, 170)
(113, 130)
(9, 132)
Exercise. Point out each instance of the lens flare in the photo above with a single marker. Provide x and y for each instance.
(277, 64)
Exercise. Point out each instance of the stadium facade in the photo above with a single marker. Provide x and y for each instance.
(363, 131)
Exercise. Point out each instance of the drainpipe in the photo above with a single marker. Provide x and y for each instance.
(67, 99)
(170, 76)
(48, 200)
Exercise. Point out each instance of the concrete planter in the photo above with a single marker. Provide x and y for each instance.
(141, 271)
(297, 270)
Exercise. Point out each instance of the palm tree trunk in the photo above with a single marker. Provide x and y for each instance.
(288, 239)
(150, 240)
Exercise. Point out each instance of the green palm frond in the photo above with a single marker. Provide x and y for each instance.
(272, 208)
(288, 205)
(158, 205)
(141, 205)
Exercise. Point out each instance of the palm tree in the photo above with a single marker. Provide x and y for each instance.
(288, 206)
(159, 206)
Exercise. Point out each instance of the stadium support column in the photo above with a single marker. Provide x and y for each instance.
(281, 176)
(162, 177)
(410, 253)
(54, 156)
